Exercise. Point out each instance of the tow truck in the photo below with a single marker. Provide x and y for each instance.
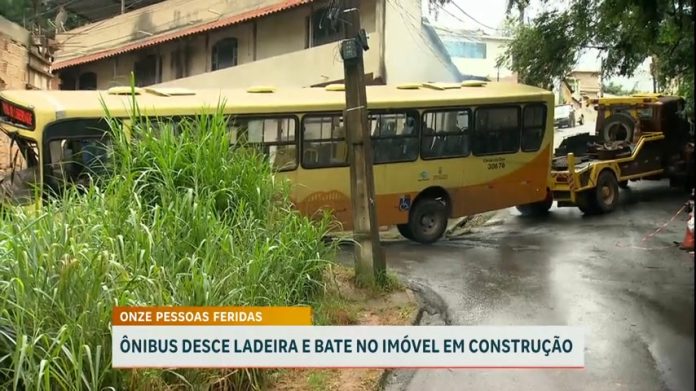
(638, 137)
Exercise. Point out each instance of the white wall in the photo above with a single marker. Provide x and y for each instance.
(410, 55)
(485, 67)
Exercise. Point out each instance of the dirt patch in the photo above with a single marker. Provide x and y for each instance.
(467, 224)
(345, 304)
(455, 228)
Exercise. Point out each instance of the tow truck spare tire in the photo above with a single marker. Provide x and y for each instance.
(618, 127)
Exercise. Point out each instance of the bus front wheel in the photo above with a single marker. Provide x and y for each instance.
(428, 221)
(405, 231)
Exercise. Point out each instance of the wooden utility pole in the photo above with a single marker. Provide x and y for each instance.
(370, 267)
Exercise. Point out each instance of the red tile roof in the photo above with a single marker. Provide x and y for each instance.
(226, 20)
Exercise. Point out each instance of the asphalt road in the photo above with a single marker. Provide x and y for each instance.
(635, 299)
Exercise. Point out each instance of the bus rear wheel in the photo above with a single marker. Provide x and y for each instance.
(539, 208)
(428, 221)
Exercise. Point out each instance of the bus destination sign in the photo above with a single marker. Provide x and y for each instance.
(16, 115)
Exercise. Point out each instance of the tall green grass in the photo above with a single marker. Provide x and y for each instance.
(181, 219)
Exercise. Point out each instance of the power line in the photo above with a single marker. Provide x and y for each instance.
(471, 17)
(49, 10)
(128, 16)
(442, 7)
(417, 27)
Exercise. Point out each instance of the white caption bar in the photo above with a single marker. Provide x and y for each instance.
(348, 346)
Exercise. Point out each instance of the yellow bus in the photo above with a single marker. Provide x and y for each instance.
(441, 150)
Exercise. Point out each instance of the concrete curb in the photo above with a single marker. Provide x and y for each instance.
(430, 303)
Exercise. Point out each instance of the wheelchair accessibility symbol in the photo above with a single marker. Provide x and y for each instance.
(404, 203)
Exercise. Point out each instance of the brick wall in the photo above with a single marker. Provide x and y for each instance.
(14, 57)
(13, 66)
(14, 42)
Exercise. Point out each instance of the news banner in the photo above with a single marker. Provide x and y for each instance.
(284, 337)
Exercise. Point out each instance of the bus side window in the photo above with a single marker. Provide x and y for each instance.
(446, 134)
(497, 130)
(155, 126)
(274, 136)
(394, 137)
(534, 124)
(324, 141)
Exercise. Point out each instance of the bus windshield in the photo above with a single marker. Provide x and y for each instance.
(21, 175)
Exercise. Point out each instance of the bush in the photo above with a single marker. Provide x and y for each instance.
(181, 219)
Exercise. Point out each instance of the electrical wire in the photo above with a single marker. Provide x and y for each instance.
(471, 17)
(420, 38)
(49, 10)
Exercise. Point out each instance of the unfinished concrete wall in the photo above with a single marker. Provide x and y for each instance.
(13, 72)
(15, 55)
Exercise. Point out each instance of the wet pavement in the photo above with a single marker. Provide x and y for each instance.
(635, 299)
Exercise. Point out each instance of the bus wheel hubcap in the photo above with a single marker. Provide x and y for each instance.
(428, 222)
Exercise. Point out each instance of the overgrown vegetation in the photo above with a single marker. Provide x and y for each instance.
(182, 219)
(33, 14)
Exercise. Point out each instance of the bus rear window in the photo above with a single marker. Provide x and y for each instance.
(16, 115)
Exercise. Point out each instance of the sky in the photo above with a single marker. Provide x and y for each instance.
(489, 15)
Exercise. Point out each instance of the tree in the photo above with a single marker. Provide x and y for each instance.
(520, 5)
(543, 50)
(626, 31)
(38, 14)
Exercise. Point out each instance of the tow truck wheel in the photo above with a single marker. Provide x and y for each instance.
(607, 192)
